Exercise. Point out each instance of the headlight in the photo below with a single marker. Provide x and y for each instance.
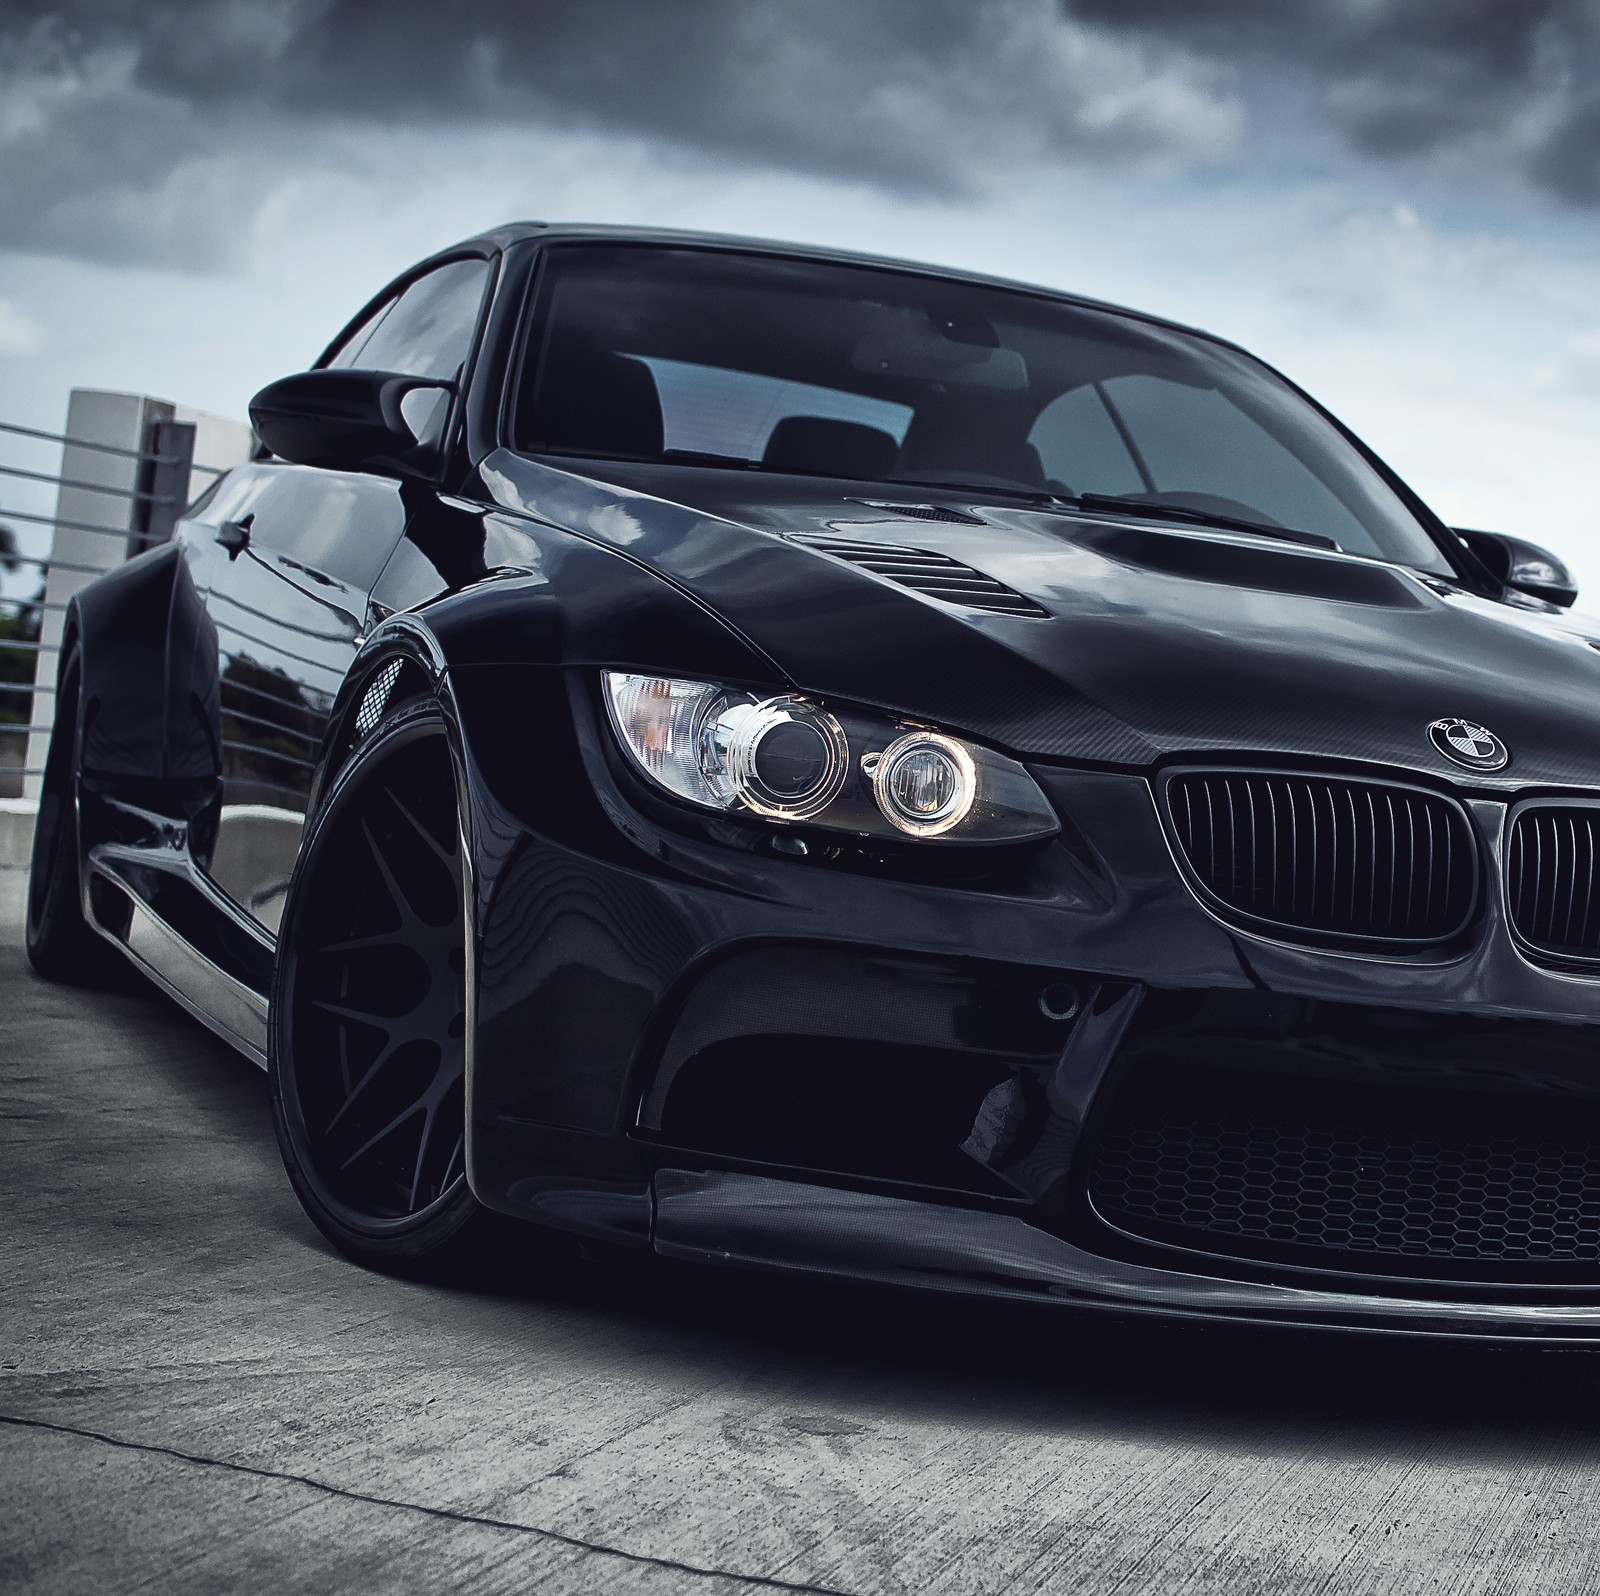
(925, 783)
(786, 758)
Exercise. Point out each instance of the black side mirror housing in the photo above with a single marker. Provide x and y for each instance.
(1522, 567)
(344, 420)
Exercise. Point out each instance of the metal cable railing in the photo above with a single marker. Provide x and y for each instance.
(104, 448)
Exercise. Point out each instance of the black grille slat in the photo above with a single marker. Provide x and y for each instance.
(1586, 927)
(1551, 861)
(1320, 854)
(937, 576)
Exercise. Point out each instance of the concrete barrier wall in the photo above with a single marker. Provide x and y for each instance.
(16, 832)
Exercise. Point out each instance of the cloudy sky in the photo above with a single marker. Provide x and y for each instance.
(1396, 201)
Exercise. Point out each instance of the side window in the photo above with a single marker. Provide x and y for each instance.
(425, 332)
(428, 330)
(347, 352)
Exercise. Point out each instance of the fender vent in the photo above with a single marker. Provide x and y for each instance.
(926, 512)
(933, 575)
(377, 698)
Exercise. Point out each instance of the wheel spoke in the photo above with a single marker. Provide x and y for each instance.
(408, 1112)
(450, 1163)
(382, 1022)
(422, 1157)
(384, 939)
(446, 856)
(385, 1053)
(409, 919)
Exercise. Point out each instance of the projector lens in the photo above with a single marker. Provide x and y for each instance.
(787, 758)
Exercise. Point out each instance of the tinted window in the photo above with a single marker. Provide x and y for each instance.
(1161, 439)
(711, 410)
(345, 353)
(428, 330)
(425, 332)
(708, 356)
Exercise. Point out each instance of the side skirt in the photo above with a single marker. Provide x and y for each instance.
(181, 932)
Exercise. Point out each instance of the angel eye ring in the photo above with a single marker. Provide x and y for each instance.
(925, 783)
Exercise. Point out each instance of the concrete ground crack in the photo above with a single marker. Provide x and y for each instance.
(765, 1581)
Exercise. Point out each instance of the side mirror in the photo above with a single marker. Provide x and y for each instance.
(1522, 567)
(343, 420)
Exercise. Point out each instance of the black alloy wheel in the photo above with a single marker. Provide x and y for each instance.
(61, 944)
(366, 1050)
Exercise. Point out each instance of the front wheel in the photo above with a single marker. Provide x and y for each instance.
(366, 1045)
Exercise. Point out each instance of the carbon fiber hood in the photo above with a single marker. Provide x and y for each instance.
(1156, 641)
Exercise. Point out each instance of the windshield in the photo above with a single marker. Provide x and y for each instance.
(710, 357)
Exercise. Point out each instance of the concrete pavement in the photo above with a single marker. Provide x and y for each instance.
(197, 1395)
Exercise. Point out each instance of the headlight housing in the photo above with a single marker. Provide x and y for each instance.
(786, 758)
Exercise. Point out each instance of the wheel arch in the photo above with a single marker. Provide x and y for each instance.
(141, 623)
(512, 663)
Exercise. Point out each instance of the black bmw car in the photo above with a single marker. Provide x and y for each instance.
(795, 759)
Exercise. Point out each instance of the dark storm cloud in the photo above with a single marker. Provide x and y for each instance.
(932, 96)
(1515, 82)
(144, 128)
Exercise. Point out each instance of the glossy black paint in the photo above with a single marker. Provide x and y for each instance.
(638, 965)
(344, 420)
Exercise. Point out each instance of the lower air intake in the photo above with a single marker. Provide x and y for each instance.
(1346, 1179)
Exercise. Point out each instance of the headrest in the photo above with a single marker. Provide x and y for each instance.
(831, 448)
(594, 399)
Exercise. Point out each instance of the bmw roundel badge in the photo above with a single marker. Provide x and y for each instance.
(1469, 744)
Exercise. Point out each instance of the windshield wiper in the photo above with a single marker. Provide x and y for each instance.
(1180, 512)
(978, 490)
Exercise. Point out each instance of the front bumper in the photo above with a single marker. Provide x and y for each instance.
(619, 955)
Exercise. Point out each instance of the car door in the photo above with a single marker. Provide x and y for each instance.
(288, 581)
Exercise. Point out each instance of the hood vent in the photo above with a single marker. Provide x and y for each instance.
(933, 575)
(926, 512)
(1263, 568)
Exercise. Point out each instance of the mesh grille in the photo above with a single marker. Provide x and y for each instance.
(1263, 1185)
(936, 575)
(1345, 859)
(1551, 864)
(377, 698)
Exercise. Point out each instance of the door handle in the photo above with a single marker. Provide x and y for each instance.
(234, 536)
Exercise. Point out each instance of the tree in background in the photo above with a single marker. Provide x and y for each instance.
(19, 631)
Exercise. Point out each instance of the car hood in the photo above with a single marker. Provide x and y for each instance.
(1152, 641)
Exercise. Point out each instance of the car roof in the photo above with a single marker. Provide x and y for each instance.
(596, 232)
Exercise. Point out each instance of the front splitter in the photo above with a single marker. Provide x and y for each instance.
(759, 1221)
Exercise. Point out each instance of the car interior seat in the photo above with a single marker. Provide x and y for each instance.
(595, 399)
(830, 448)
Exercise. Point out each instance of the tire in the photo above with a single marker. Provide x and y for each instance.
(61, 944)
(366, 1038)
